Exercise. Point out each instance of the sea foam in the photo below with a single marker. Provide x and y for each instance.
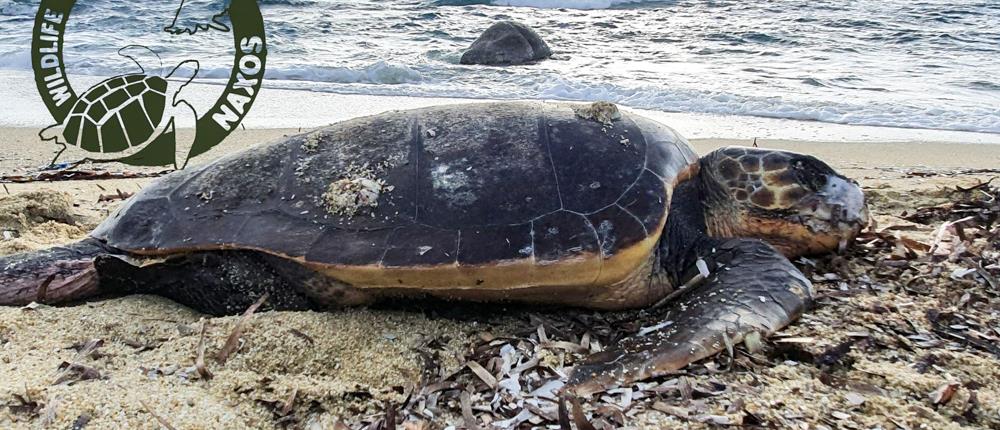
(565, 4)
(379, 72)
(548, 4)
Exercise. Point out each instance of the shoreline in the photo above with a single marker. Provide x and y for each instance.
(279, 108)
(26, 153)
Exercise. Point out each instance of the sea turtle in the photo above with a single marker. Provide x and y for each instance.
(579, 205)
(120, 116)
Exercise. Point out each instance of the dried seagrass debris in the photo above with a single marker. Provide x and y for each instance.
(159, 419)
(233, 341)
(79, 175)
(199, 361)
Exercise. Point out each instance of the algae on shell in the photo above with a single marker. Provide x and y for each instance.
(347, 196)
(602, 112)
(358, 190)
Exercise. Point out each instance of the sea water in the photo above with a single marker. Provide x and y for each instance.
(897, 63)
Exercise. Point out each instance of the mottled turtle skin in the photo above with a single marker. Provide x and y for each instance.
(489, 201)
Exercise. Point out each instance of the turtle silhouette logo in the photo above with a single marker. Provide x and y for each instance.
(133, 117)
(122, 115)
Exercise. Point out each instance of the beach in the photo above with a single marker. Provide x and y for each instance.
(132, 362)
(903, 330)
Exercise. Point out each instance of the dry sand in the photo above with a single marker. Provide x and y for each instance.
(326, 370)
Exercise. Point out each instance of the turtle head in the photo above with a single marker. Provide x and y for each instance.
(796, 202)
(146, 59)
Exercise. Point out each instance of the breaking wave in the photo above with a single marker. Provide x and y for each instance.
(548, 4)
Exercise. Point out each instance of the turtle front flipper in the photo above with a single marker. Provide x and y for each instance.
(55, 275)
(180, 111)
(750, 287)
(183, 143)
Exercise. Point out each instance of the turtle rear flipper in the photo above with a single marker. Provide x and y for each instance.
(55, 133)
(751, 288)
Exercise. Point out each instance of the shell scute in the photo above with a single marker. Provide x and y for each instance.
(72, 129)
(115, 99)
(561, 235)
(616, 229)
(96, 112)
(273, 230)
(136, 88)
(592, 165)
(352, 248)
(157, 84)
(145, 229)
(418, 245)
(495, 243)
(89, 136)
(484, 164)
(80, 107)
(154, 106)
(113, 136)
(139, 127)
(647, 200)
(96, 92)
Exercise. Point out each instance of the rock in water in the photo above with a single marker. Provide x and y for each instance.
(506, 43)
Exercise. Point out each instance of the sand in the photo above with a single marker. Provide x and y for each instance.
(346, 368)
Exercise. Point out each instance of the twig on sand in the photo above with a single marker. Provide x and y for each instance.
(199, 362)
(466, 403)
(289, 404)
(119, 195)
(72, 371)
(390, 415)
(303, 336)
(234, 337)
(159, 419)
(578, 417)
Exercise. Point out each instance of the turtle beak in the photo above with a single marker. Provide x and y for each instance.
(839, 208)
(848, 200)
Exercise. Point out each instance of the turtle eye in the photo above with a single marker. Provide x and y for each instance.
(812, 173)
